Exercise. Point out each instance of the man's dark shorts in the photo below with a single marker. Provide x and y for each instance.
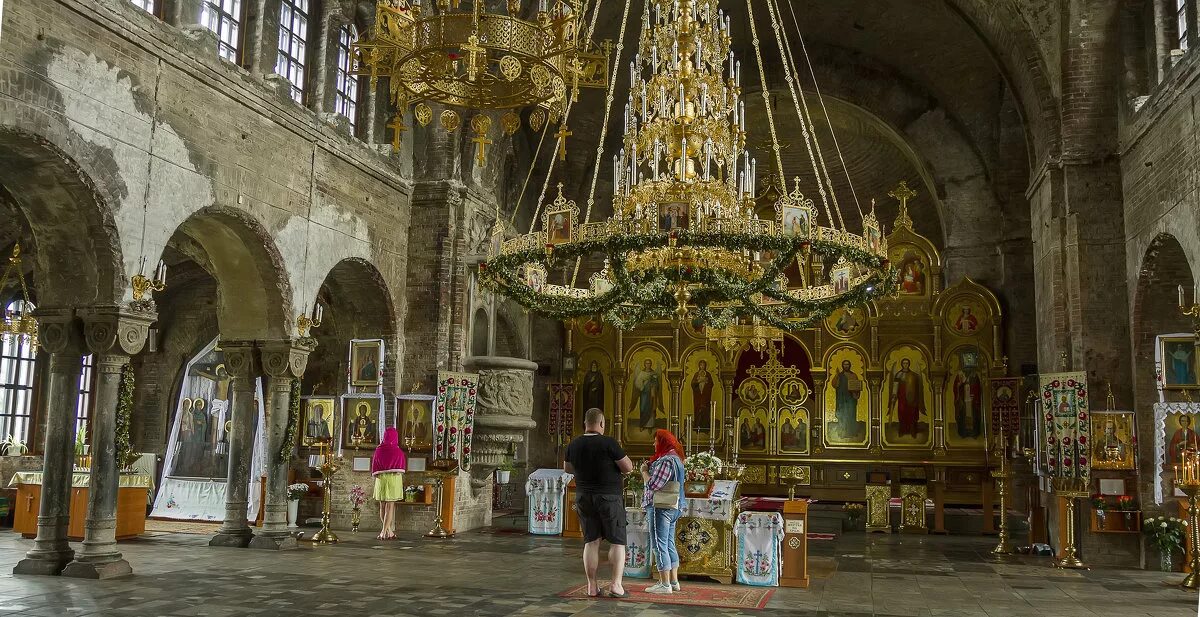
(601, 516)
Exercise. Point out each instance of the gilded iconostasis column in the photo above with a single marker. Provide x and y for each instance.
(939, 414)
(875, 382)
(674, 421)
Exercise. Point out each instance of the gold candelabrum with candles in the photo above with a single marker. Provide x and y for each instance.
(1191, 310)
(684, 241)
(1070, 489)
(142, 285)
(304, 322)
(461, 54)
(329, 467)
(1187, 480)
(18, 322)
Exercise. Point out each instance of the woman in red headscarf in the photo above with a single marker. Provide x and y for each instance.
(665, 467)
(387, 466)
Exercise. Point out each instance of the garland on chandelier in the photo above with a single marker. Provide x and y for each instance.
(293, 424)
(629, 304)
(124, 449)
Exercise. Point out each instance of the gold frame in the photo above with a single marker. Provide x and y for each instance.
(308, 402)
(1128, 419)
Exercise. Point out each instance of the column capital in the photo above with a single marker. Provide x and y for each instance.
(240, 359)
(58, 330)
(286, 357)
(112, 329)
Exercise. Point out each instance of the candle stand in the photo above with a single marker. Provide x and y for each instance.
(1070, 489)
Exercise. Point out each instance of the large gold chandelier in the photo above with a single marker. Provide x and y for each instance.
(445, 53)
(684, 240)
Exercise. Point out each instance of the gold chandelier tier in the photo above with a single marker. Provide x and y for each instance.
(684, 240)
(471, 57)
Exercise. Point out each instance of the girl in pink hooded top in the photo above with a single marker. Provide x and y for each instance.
(387, 466)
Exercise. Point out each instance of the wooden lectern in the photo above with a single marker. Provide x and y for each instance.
(795, 544)
(571, 527)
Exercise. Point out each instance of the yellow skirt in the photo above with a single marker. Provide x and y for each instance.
(389, 486)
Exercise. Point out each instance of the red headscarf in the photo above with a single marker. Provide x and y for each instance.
(389, 456)
(665, 443)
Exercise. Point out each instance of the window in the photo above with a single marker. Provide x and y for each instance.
(345, 98)
(224, 18)
(293, 36)
(83, 406)
(145, 5)
(1181, 21)
(17, 357)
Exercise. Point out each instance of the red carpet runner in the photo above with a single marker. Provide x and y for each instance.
(693, 594)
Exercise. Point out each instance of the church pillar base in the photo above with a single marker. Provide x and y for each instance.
(45, 564)
(274, 542)
(98, 570)
(234, 540)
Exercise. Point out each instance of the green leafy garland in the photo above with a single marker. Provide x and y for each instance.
(293, 424)
(721, 298)
(124, 448)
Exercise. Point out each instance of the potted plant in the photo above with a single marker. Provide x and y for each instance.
(295, 492)
(357, 497)
(504, 471)
(1166, 533)
(410, 493)
(11, 446)
(1127, 505)
(1100, 505)
(701, 469)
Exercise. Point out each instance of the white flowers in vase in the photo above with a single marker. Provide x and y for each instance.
(702, 466)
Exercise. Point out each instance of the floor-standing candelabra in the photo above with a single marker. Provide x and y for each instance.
(439, 528)
(1002, 475)
(1187, 479)
(329, 467)
(1070, 489)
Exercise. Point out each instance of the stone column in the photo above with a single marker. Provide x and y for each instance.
(59, 334)
(112, 335)
(243, 369)
(282, 361)
(504, 412)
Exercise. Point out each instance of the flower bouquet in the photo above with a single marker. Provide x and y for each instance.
(1166, 533)
(1100, 505)
(700, 469)
(357, 498)
(294, 493)
(1128, 508)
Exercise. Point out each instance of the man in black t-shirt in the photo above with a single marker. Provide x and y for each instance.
(599, 463)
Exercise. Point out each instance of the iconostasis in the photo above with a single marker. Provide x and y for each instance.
(898, 388)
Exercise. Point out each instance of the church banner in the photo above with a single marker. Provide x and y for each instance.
(456, 398)
(1006, 406)
(562, 409)
(1065, 417)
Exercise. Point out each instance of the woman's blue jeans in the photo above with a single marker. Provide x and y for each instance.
(662, 537)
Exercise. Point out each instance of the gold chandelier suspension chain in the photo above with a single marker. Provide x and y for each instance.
(771, 118)
(766, 94)
(821, 99)
(785, 50)
(608, 104)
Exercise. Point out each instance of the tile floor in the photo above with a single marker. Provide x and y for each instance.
(480, 574)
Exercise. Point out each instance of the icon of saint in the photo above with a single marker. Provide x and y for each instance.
(702, 387)
(908, 398)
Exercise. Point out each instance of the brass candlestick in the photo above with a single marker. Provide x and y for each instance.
(1070, 489)
(328, 468)
(1192, 490)
(439, 529)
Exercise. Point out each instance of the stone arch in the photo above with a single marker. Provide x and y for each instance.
(1006, 33)
(78, 259)
(253, 290)
(357, 305)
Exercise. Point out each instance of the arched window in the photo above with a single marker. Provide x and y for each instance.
(293, 43)
(224, 18)
(345, 98)
(1182, 7)
(17, 356)
(145, 5)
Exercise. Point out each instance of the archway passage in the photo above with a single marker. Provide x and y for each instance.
(357, 305)
(78, 260)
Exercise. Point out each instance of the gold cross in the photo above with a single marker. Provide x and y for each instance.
(903, 194)
(562, 136)
(474, 50)
(481, 144)
(398, 128)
